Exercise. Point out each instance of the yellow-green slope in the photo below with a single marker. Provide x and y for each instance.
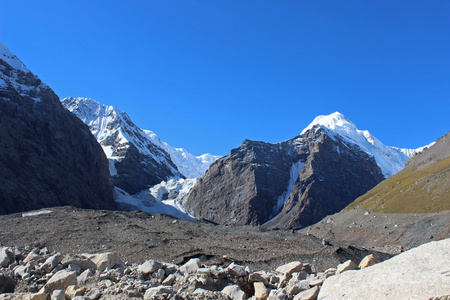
(413, 190)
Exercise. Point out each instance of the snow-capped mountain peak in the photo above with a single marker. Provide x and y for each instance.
(390, 159)
(11, 59)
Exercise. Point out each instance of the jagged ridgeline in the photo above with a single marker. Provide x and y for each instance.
(48, 157)
(295, 183)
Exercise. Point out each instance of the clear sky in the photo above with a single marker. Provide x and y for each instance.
(205, 74)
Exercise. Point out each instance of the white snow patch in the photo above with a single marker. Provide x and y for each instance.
(11, 59)
(163, 198)
(36, 213)
(294, 174)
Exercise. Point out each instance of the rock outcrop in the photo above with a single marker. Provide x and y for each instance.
(290, 184)
(48, 157)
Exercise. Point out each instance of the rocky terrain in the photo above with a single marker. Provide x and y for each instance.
(384, 232)
(37, 273)
(48, 157)
(139, 236)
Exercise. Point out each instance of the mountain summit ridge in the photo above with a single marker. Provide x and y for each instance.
(390, 159)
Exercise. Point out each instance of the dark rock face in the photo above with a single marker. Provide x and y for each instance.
(136, 163)
(48, 157)
(286, 185)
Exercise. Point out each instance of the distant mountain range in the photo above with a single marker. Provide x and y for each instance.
(48, 157)
(138, 158)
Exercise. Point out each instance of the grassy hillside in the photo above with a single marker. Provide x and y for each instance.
(413, 190)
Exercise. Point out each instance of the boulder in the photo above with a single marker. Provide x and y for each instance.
(345, 266)
(420, 273)
(289, 268)
(159, 291)
(310, 294)
(191, 266)
(83, 262)
(261, 292)
(150, 266)
(60, 280)
(7, 282)
(58, 295)
(367, 261)
(105, 260)
(51, 262)
(234, 292)
(236, 270)
(6, 256)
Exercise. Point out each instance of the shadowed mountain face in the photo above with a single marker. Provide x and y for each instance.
(422, 187)
(48, 157)
(285, 185)
(136, 163)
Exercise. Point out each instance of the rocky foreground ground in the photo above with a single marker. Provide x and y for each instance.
(137, 255)
(37, 274)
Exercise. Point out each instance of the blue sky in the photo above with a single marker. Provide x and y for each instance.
(205, 75)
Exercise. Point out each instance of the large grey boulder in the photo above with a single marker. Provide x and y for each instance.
(420, 273)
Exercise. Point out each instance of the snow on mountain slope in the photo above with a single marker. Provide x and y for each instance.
(165, 198)
(19, 76)
(390, 159)
(136, 163)
(189, 165)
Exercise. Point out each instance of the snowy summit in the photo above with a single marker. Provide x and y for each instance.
(390, 159)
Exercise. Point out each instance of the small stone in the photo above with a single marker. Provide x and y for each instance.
(236, 270)
(163, 291)
(234, 292)
(84, 262)
(150, 266)
(310, 294)
(289, 268)
(30, 257)
(74, 267)
(277, 295)
(169, 280)
(93, 293)
(58, 295)
(60, 280)
(191, 266)
(7, 257)
(73, 291)
(261, 292)
(159, 274)
(345, 266)
(36, 296)
(84, 276)
(298, 287)
(367, 261)
(256, 277)
(51, 263)
(105, 260)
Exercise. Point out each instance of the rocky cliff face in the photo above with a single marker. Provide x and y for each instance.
(285, 185)
(48, 157)
(136, 163)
